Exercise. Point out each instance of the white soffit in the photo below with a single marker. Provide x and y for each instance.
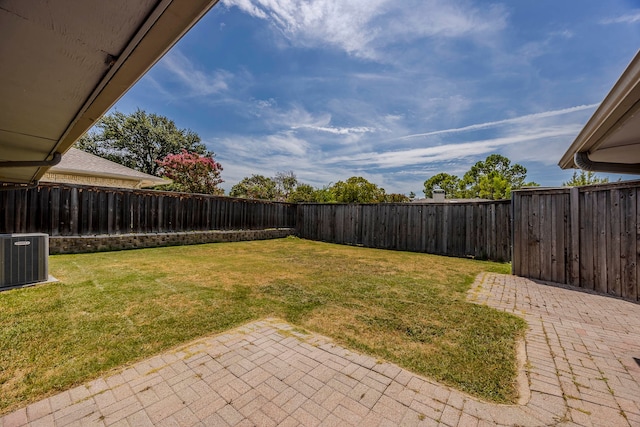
(65, 63)
(611, 137)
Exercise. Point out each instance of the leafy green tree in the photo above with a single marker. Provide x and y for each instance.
(584, 178)
(494, 178)
(357, 190)
(449, 183)
(324, 195)
(302, 193)
(396, 198)
(255, 187)
(192, 173)
(139, 140)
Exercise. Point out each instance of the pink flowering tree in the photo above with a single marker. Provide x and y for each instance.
(192, 172)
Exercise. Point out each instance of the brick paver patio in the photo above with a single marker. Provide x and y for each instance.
(582, 368)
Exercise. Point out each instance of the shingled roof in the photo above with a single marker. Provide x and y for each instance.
(80, 164)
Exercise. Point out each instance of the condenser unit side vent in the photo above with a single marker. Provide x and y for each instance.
(25, 259)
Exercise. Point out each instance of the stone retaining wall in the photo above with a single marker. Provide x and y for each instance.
(116, 242)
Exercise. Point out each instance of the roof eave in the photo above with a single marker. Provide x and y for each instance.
(165, 25)
(617, 106)
(150, 181)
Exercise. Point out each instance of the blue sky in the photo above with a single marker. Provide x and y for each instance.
(394, 91)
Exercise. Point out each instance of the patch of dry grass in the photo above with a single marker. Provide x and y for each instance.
(115, 308)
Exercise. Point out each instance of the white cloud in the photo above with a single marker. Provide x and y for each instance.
(197, 81)
(337, 130)
(630, 18)
(281, 143)
(514, 120)
(365, 27)
(456, 151)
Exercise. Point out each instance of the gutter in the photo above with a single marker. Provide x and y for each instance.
(582, 160)
(32, 163)
(27, 163)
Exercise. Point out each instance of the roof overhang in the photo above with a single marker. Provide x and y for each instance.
(65, 63)
(610, 141)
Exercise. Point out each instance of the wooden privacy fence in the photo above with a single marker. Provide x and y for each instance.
(71, 210)
(475, 229)
(583, 236)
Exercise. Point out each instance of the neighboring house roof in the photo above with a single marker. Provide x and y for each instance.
(610, 141)
(78, 163)
(65, 63)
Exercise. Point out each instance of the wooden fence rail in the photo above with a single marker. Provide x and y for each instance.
(71, 210)
(475, 229)
(584, 236)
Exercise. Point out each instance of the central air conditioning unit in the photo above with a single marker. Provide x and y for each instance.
(24, 258)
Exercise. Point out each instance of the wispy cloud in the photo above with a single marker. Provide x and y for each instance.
(364, 27)
(454, 151)
(337, 130)
(197, 81)
(630, 18)
(514, 120)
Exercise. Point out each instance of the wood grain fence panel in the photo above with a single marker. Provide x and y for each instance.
(33, 214)
(601, 243)
(586, 239)
(6, 211)
(523, 218)
(340, 223)
(614, 270)
(628, 242)
(54, 206)
(83, 210)
(507, 241)
(44, 211)
(19, 210)
(587, 236)
(481, 245)
(558, 238)
(575, 229)
(517, 214)
(432, 229)
(544, 237)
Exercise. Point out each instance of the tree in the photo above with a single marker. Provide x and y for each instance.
(323, 195)
(449, 183)
(255, 187)
(357, 190)
(286, 183)
(396, 198)
(192, 172)
(584, 178)
(494, 178)
(303, 193)
(139, 140)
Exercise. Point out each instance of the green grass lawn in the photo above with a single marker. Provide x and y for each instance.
(114, 308)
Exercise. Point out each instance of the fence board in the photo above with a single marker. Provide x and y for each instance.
(65, 210)
(614, 280)
(628, 245)
(461, 229)
(601, 242)
(590, 235)
(586, 239)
